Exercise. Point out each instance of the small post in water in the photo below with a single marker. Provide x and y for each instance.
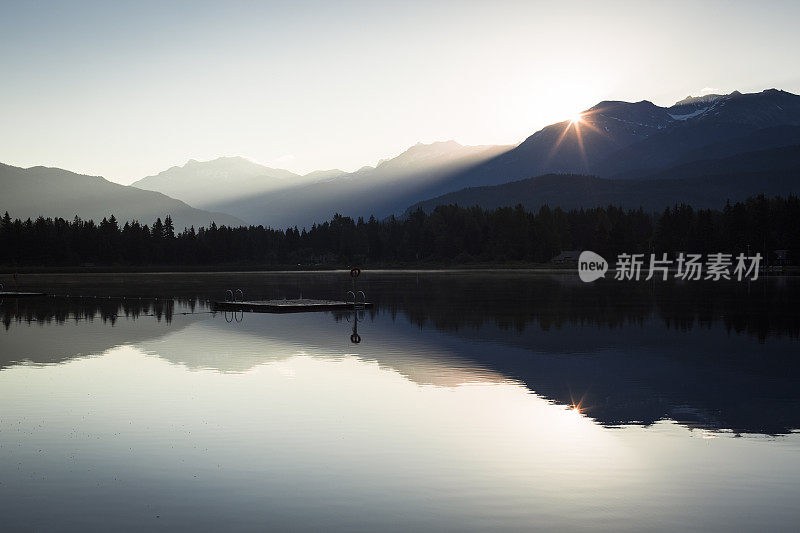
(354, 273)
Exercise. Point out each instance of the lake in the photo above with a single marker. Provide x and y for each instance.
(510, 400)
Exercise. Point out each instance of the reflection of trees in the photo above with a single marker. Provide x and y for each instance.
(634, 352)
(107, 310)
(761, 309)
(513, 300)
(648, 374)
(515, 303)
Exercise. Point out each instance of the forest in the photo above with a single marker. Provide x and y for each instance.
(449, 235)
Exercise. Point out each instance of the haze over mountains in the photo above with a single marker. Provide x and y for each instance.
(687, 151)
(209, 183)
(703, 184)
(385, 189)
(611, 140)
(279, 198)
(701, 151)
(53, 192)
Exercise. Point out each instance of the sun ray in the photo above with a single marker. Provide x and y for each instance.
(581, 149)
(559, 141)
(578, 123)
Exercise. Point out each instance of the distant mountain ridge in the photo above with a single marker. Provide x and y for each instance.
(385, 189)
(707, 183)
(53, 192)
(614, 137)
(319, 175)
(204, 183)
(637, 140)
(623, 141)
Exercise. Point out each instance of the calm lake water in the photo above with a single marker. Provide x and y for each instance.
(473, 401)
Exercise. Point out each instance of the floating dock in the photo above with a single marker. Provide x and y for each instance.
(16, 294)
(286, 306)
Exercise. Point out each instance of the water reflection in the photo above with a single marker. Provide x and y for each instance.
(454, 300)
(466, 402)
(106, 309)
(356, 315)
(711, 356)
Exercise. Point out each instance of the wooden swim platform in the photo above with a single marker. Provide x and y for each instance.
(18, 294)
(302, 305)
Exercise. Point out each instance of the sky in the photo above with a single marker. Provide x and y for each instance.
(126, 90)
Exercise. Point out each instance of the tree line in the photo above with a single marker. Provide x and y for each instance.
(449, 235)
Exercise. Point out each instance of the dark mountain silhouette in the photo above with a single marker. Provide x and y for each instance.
(761, 139)
(702, 184)
(762, 162)
(54, 192)
(733, 119)
(613, 138)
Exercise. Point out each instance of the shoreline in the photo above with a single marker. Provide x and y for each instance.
(251, 269)
(284, 269)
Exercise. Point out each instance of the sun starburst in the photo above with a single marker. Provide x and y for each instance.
(577, 123)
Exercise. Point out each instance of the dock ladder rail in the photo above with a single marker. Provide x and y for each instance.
(231, 316)
(231, 296)
(356, 304)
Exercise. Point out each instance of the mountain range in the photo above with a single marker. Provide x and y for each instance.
(275, 197)
(53, 192)
(383, 190)
(701, 150)
(704, 184)
(621, 139)
(225, 179)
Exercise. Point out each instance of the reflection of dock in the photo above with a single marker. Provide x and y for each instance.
(17, 294)
(286, 306)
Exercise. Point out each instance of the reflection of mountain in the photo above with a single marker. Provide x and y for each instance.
(636, 366)
(638, 371)
(641, 373)
(260, 338)
(86, 327)
(711, 355)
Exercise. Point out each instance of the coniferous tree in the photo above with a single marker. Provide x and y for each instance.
(447, 235)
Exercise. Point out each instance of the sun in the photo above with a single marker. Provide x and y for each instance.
(577, 118)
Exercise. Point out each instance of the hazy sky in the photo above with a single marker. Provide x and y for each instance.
(125, 91)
